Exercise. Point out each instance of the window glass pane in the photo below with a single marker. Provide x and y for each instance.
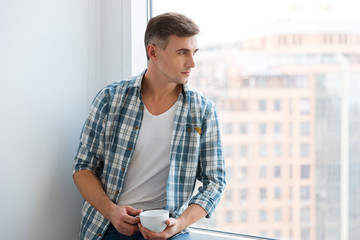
(284, 76)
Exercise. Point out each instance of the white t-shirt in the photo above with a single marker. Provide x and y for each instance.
(146, 178)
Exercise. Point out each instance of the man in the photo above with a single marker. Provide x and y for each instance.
(147, 139)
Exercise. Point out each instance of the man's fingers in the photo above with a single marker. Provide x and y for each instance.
(171, 222)
(133, 211)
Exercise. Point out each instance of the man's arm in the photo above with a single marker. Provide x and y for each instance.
(191, 215)
(91, 189)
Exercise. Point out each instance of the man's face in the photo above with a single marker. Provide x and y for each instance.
(177, 59)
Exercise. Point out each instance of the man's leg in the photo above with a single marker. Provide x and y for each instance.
(112, 234)
(184, 236)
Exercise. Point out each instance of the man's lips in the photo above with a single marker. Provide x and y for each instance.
(187, 73)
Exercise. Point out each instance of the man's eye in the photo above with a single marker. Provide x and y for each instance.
(181, 52)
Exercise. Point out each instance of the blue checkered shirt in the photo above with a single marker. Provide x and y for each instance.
(108, 140)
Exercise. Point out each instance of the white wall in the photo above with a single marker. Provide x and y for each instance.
(43, 103)
(54, 56)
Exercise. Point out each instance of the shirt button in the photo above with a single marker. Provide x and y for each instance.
(99, 234)
(189, 129)
(136, 127)
(117, 192)
(142, 108)
(130, 148)
(123, 169)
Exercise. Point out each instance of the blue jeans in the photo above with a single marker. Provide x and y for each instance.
(112, 234)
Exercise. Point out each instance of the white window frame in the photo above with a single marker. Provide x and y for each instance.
(115, 41)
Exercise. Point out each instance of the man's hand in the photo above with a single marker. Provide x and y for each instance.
(122, 218)
(173, 227)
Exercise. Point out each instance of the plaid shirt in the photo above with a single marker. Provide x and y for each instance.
(108, 140)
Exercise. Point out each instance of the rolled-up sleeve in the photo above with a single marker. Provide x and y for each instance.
(211, 171)
(91, 149)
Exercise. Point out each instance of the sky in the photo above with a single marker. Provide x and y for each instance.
(232, 20)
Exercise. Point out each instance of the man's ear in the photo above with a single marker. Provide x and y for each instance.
(151, 51)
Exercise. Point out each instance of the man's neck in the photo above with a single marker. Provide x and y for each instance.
(158, 96)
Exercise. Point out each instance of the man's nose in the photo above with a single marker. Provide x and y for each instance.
(190, 62)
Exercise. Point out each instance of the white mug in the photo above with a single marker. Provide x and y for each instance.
(154, 220)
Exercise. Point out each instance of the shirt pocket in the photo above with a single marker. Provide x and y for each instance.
(192, 135)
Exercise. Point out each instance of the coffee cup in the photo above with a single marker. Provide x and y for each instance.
(154, 220)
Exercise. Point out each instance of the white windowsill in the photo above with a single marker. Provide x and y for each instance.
(208, 234)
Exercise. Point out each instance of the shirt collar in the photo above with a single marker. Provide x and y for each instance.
(138, 79)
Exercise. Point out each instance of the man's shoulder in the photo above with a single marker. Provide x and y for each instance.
(197, 96)
(122, 86)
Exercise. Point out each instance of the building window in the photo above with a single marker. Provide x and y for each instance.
(262, 215)
(243, 216)
(243, 195)
(305, 171)
(228, 129)
(305, 129)
(243, 150)
(277, 234)
(277, 129)
(229, 173)
(262, 105)
(277, 192)
(263, 172)
(305, 150)
(228, 216)
(277, 214)
(277, 105)
(228, 151)
(262, 193)
(277, 171)
(262, 150)
(243, 174)
(243, 128)
(305, 193)
(228, 197)
(244, 105)
(305, 214)
(262, 129)
(277, 150)
(305, 234)
(304, 106)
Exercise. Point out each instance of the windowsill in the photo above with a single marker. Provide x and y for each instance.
(208, 234)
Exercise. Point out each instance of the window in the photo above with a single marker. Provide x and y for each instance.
(243, 216)
(243, 195)
(277, 129)
(277, 105)
(305, 171)
(262, 129)
(243, 174)
(262, 215)
(277, 214)
(284, 93)
(243, 150)
(305, 129)
(304, 106)
(305, 150)
(262, 105)
(277, 192)
(262, 194)
(277, 171)
(305, 214)
(227, 128)
(229, 217)
(262, 150)
(277, 150)
(305, 193)
(243, 128)
(263, 172)
(228, 151)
